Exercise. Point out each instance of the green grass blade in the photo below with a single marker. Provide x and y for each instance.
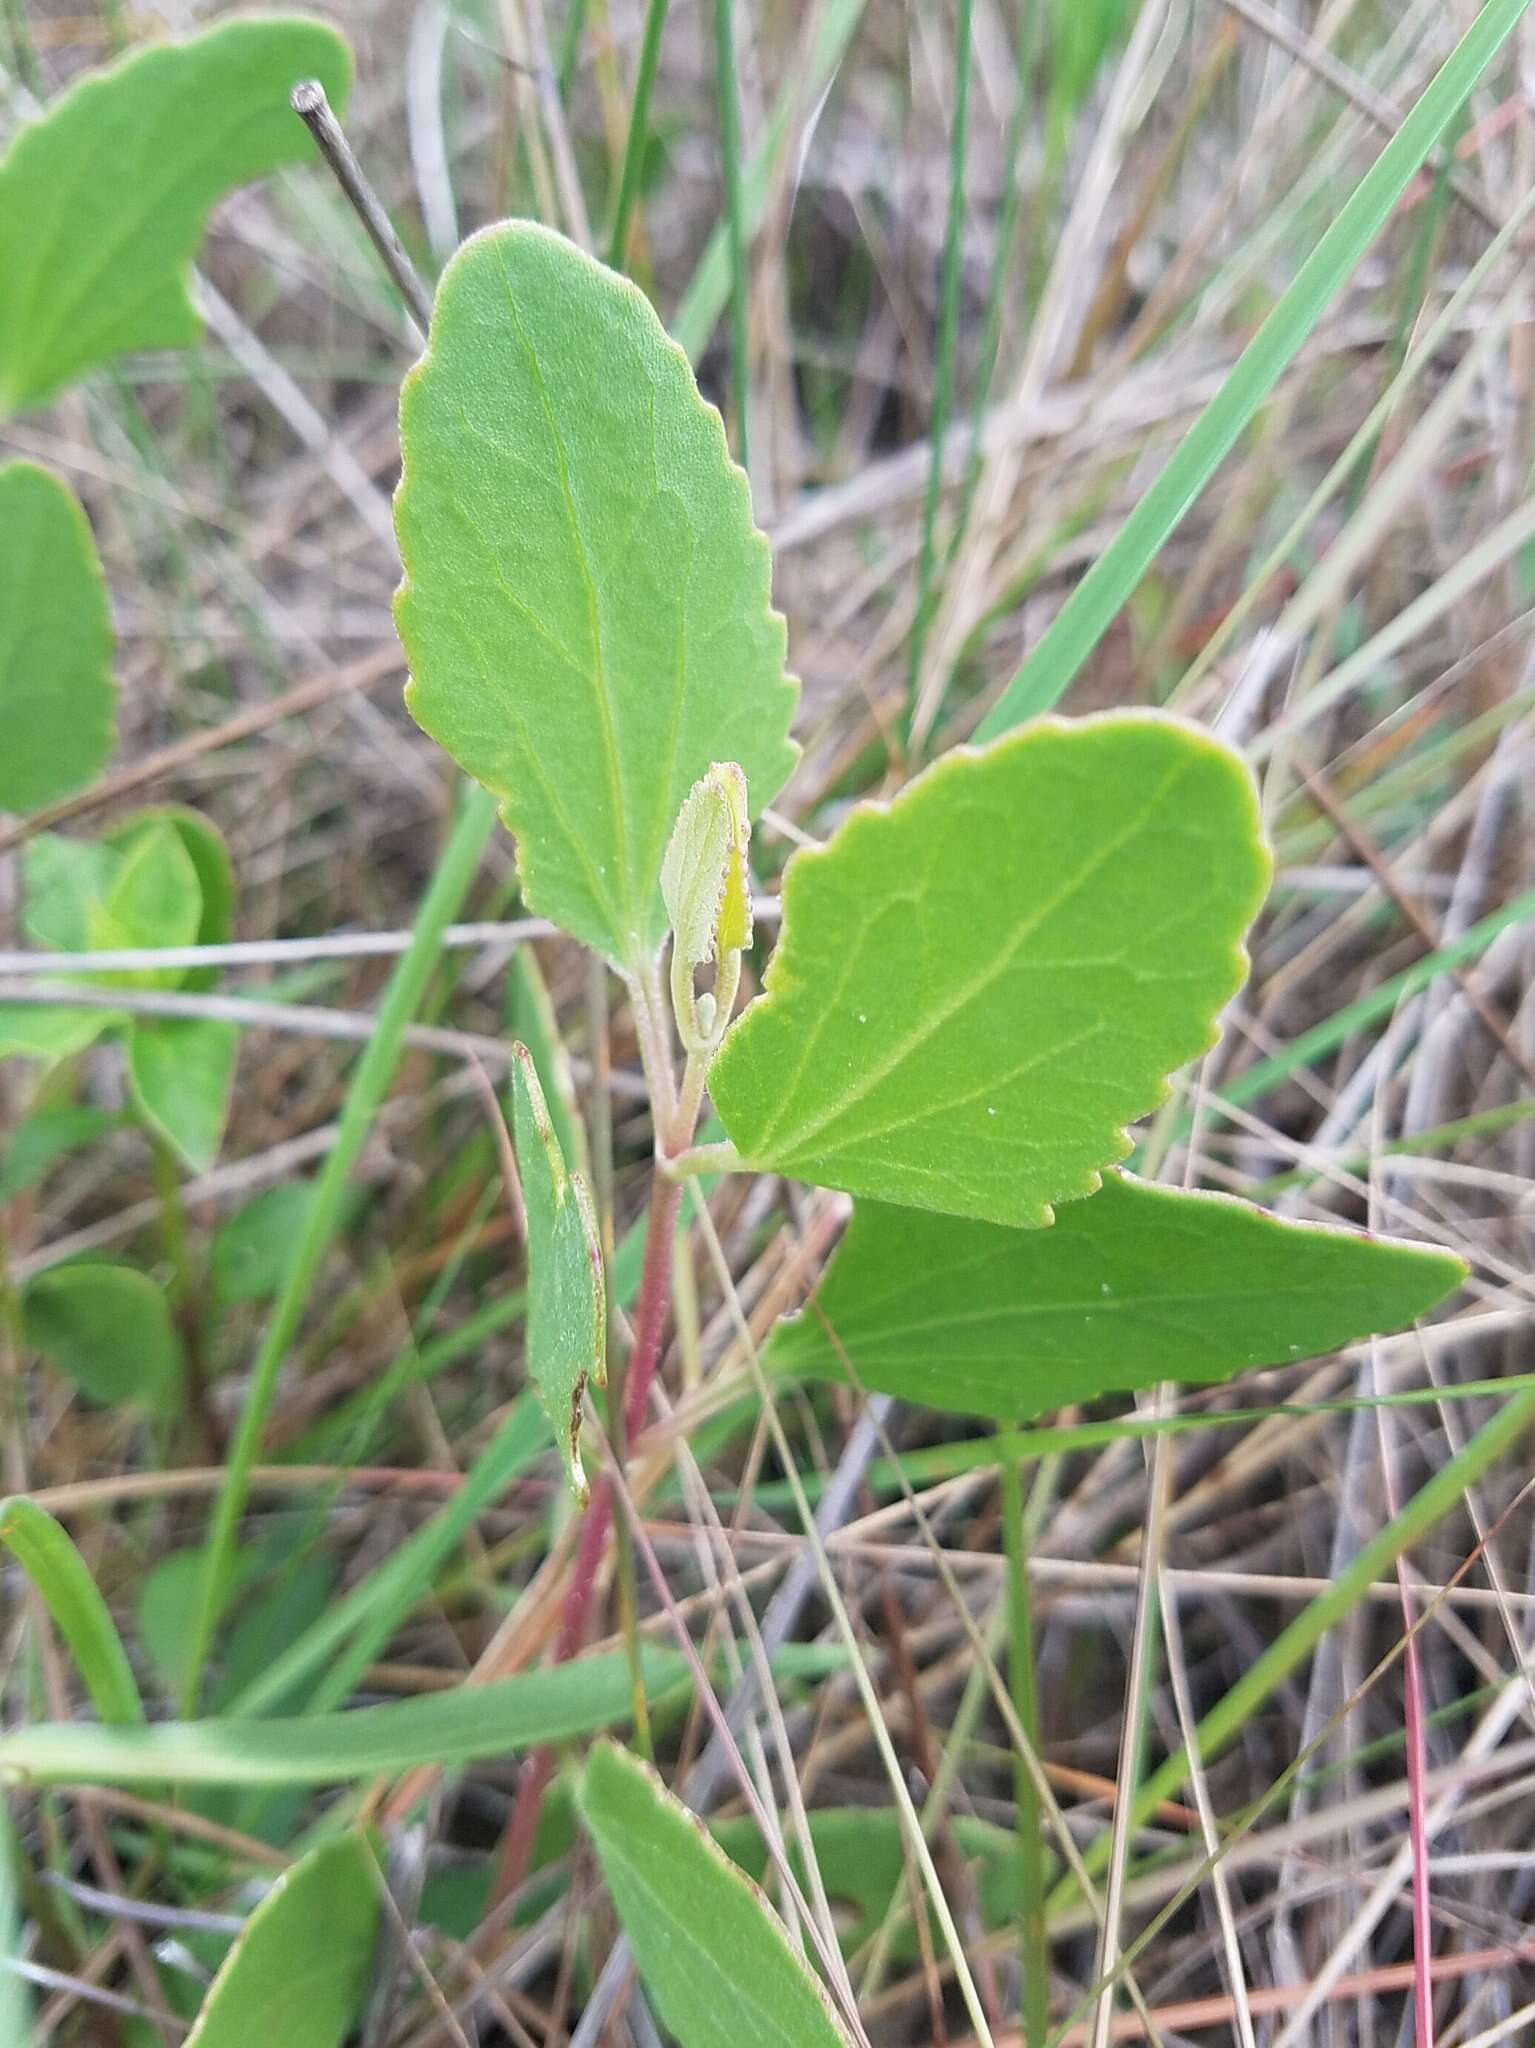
(735, 221)
(15, 2000)
(370, 1083)
(443, 1728)
(1371, 1008)
(50, 1560)
(1226, 1719)
(948, 336)
(709, 289)
(639, 133)
(367, 1616)
(1085, 617)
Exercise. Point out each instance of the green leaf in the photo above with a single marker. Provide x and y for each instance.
(58, 702)
(252, 1245)
(63, 882)
(530, 1015)
(103, 199)
(444, 1728)
(48, 1032)
(50, 1560)
(15, 1998)
(703, 877)
(153, 899)
(181, 1070)
(567, 1296)
(204, 846)
(166, 1592)
(108, 1328)
(47, 1136)
(1135, 1285)
(586, 605)
(300, 1967)
(354, 1629)
(715, 1957)
(978, 986)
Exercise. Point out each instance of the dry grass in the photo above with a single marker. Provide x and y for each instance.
(241, 502)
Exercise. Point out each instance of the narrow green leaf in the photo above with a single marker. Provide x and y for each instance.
(103, 199)
(58, 702)
(181, 1070)
(567, 1295)
(15, 1998)
(354, 1629)
(978, 986)
(50, 1560)
(300, 1967)
(1135, 1285)
(530, 1016)
(450, 884)
(587, 604)
(108, 1328)
(445, 1728)
(1086, 615)
(714, 1955)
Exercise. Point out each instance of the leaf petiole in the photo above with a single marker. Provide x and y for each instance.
(718, 1158)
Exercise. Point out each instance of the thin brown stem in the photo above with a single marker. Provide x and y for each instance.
(644, 1358)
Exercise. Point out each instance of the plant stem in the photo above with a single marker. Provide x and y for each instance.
(184, 1293)
(1035, 1989)
(644, 1357)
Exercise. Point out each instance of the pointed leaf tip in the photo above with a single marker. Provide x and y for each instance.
(714, 1955)
(1134, 1285)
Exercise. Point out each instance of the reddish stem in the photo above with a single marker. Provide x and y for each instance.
(597, 1522)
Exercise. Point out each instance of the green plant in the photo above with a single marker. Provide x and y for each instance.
(103, 199)
(979, 986)
(976, 989)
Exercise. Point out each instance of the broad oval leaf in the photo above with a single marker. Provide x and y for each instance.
(181, 1071)
(981, 984)
(714, 1955)
(207, 851)
(587, 603)
(108, 1328)
(58, 702)
(103, 198)
(1135, 1285)
(153, 898)
(444, 1728)
(567, 1291)
(299, 1968)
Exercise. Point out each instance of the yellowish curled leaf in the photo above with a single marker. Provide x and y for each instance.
(703, 876)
